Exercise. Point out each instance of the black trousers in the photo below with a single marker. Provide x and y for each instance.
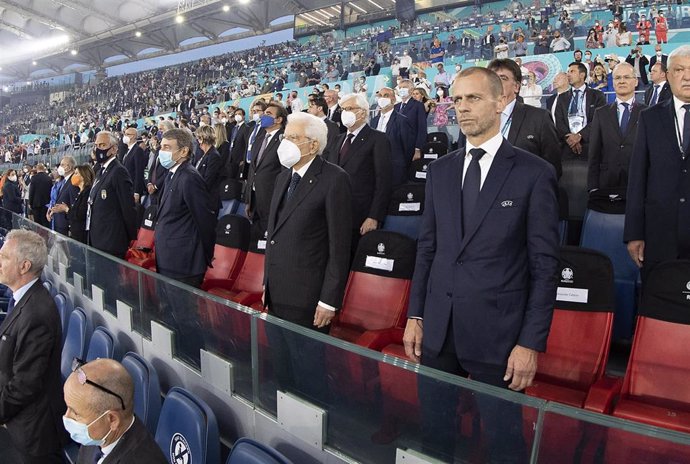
(40, 216)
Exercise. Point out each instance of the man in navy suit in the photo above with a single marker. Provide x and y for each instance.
(415, 113)
(66, 196)
(135, 161)
(484, 283)
(657, 213)
(399, 131)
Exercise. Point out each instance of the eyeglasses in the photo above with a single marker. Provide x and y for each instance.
(623, 78)
(83, 380)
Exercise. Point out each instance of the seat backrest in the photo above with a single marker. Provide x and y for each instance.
(147, 390)
(48, 286)
(148, 221)
(418, 170)
(578, 344)
(230, 189)
(102, 345)
(250, 278)
(604, 232)
(64, 307)
(248, 451)
(440, 137)
(434, 150)
(187, 429)
(232, 243)
(78, 333)
(658, 369)
(145, 239)
(407, 200)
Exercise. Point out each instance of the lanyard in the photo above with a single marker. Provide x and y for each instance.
(506, 127)
(679, 135)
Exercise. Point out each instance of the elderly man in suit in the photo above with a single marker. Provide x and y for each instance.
(100, 396)
(39, 195)
(612, 135)
(657, 214)
(135, 160)
(415, 113)
(483, 288)
(66, 196)
(525, 126)
(31, 402)
(659, 91)
(398, 129)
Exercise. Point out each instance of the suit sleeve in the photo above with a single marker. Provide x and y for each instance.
(383, 175)
(542, 254)
(32, 193)
(421, 126)
(140, 162)
(550, 145)
(339, 219)
(125, 196)
(637, 185)
(213, 172)
(199, 204)
(562, 125)
(595, 152)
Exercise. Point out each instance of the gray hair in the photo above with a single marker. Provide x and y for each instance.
(360, 100)
(114, 139)
(70, 161)
(681, 52)
(314, 128)
(31, 247)
(166, 125)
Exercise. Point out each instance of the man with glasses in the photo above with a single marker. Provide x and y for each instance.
(30, 345)
(100, 417)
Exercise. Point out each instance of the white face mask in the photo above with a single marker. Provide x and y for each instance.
(658, 53)
(289, 153)
(239, 118)
(224, 120)
(61, 171)
(202, 124)
(403, 92)
(458, 68)
(125, 139)
(383, 102)
(440, 93)
(13, 178)
(256, 117)
(348, 118)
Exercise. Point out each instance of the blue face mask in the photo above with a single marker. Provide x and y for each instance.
(267, 121)
(80, 432)
(166, 159)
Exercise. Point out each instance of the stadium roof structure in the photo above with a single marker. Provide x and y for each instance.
(44, 38)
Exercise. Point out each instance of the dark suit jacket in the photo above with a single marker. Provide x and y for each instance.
(31, 401)
(417, 116)
(210, 166)
(664, 94)
(77, 216)
(113, 215)
(238, 149)
(39, 190)
(609, 150)
(336, 117)
(136, 446)
(262, 177)
(67, 195)
(643, 67)
(402, 140)
(135, 161)
(185, 225)
(658, 186)
(533, 130)
(333, 134)
(370, 167)
(308, 252)
(498, 278)
(653, 59)
(12, 197)
(593, 100)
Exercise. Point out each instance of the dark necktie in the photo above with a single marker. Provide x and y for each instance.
(625, 117)
(97, 456)
(262, 148)
(293, 184)
(686, 129)
(471, 185)
(574, 101)
(345, 148)
(655, 95)
(252, 138)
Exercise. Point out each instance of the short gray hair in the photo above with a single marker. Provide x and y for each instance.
(360, 100)
(31, 247)
(70, 161)
(114, 139)
(682, 52)
(166, 125)
(314, 128)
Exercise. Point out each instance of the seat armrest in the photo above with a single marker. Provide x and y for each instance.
(246, 298)
(208, 284)
(379, 339)
(601, 395)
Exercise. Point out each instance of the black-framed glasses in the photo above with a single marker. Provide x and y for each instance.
(83, 380)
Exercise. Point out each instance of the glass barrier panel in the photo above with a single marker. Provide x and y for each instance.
(118, 280)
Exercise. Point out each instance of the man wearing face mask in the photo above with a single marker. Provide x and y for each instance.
(265, 165)
(134, 160)
(254, 129)
(415, 113)
(111, 218)
(398, 129)
(659, 56)
(319, 108)
(100, 417)
(238, 138)
(39, 195)
(334, 111)
(365, 154)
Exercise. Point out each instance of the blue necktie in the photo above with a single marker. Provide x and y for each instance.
(471, 186)
(293, 184)
(97, 456)
(574, 101)
(252, 138)
(655, 96)
(625, 118)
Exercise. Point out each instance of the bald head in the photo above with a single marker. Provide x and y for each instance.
(110, 375)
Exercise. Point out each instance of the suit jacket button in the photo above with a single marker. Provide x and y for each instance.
(622, 146)
(682, 200)
(684, 171)
(273, 242)
(449, 294)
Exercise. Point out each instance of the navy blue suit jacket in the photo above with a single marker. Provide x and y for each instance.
(498, 279)
(68, 193)
(416, 113)
(402, 139)
(135, 161)
(185, 225)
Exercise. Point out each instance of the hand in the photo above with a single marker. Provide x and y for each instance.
(577, 149)
(248, 211)
(522, 365)
(417, 154)
(151, 189)
(322, 317)
(137, 197)
(636, 250)
(413, 339)
(368, 225)
(573, 139)
(49, 215)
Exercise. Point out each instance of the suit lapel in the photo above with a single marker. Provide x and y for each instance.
(306, 185)
(169, 189)
(281, 187)
(634, 116)
(516, 120)
(271, 143)
(7, 323)
(455, 182)
(357, 142)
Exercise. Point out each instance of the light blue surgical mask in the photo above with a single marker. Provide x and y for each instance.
(166, 159)
(80, 432)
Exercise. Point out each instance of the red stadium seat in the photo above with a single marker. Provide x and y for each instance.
(232, 243)
(141, 250)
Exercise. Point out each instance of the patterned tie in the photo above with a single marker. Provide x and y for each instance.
(345, 149)
(293, 184)
(655, 96)
(574, 102)
(625, 117)
(686, 129)
(471, 185)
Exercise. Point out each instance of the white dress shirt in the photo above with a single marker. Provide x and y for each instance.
(383, 120)
(621, 108)
(680, 120)
(491, 147)
(21, 291)
(506, 118)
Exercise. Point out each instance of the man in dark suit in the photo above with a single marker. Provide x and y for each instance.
(135, 160)
(658, 57)
(210, 164)
(484, 283)
(398, 129)
(657, 213)
(525, 126)
(560, 85)
(319, 108)
(488, 43)
(659, 91)
(31, 403)
(334, 110)
(365, 154)
(111, 217)
(157, 173)
(185, 223)
(613, 132)
(415, 113)
(66, 196)
(109, 409)
(265, 165)
(308, 249)
(639, 62)
(39, 195)
(238, 138)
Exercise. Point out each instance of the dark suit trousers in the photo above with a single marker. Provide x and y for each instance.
(502, 420)
(40, 216)
(12, 455)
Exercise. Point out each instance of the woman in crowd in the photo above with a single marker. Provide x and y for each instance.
(222, 144)
(443, 104)
(599, 78)
(532, 92)
(12, 192)
(420, 95)
(592, 40)
(210, 164)
(76, 213)
(623, 37)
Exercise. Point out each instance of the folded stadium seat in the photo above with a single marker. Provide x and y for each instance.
(440, 137)
(247, 288)
(187, 429)
(418, 169)
(434, 150)
(48, 286)
(230, 196)
(64, 307)
(140, 251)
(147, 390)
(102, 345)
(405, 210)
(604, 232)
(76, 340)
(232, 243)
(248, 451)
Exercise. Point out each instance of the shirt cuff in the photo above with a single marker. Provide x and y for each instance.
(416, 318)
(328, 307)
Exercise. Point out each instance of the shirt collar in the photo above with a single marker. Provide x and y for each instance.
(581, 89)
(660, 84)
(509, 108)
(106, 450)
(21, 291)
(175, 168)
(355, 133)
(107, 163)
(678, 105)
(491, 146)
(303, 170)
(630, 102)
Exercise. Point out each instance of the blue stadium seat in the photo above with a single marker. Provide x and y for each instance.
(187, 427)
(78, 333)
(604, 232)
(147, 390)
(248, 451)
(405, 210)
(64, 307)
(48, 286)
(230, 195)
(102, 345)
